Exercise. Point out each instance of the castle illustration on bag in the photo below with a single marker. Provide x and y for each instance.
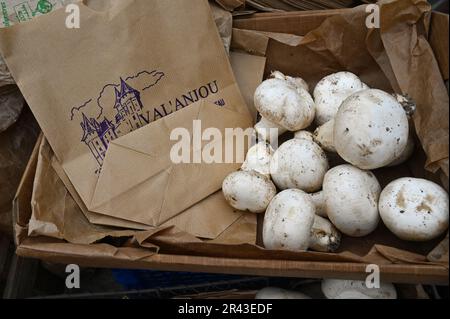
(127, 113)
(129, 117)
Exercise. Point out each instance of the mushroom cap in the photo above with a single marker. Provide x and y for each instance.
(371, 129)
(258, 159)
(285, 104)
(288, 221)
(415, 209)
(299, 163)
(355, 289)
(248, 191)
(324, 136)
(351, 200)
(278, 293)
(407, 152)
(331, 91)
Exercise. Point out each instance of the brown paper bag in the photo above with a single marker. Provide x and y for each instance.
(19, 11)
(56, 214)
(125, 73)
(249, 71)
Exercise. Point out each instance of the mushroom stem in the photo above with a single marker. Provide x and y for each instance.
(406, 154)
(258, 159)
(407, 103)
(324, 136)
(324, 236)
(268, 130)
(319, 202)
(297, 82)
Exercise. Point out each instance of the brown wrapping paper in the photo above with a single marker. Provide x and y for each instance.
(231, 5)
(56, 214)
(224, 23)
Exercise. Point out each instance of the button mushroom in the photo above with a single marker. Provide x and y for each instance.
(288, 221)
(258, 159)
(299, 163)
(268, 130)
(285, 104)
(324, 136)
(406, 154)
(324, 236)
(331, 91)
(370, 130)
(248, 191)
(298, 82)
(354, 289)
(290, 224)
(415, 209)
(278, 293)
(350, 200)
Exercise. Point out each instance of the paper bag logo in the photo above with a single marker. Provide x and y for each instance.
(97, 131)
(44, 6)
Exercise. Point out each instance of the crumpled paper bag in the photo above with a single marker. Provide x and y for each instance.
(56, 214)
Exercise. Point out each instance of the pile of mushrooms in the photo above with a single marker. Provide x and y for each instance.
(307, 203)
(334, 289)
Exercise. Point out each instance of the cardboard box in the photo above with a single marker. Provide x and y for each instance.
(234, 262)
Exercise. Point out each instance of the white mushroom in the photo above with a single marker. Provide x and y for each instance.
(407, 103)
(283, 103)
(350, 200)
(248, 191)
(288, 221)
(331, 91)
(298, 82)
(354, 289)
(370, 130)
(299, 163)
(407, 152)
(319, 202)
(268, 130)
(290, 224)
(324, 136)
(324, 236)
(278, 293)
(258, 159)
(415, 209)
